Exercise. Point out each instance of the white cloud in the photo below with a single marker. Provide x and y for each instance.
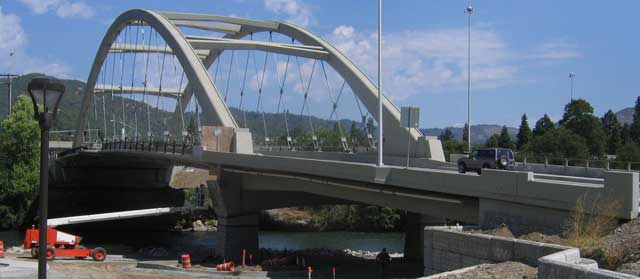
(427, 61)
(14, 39)
(62, 8)
(296, 11)
(555, 51)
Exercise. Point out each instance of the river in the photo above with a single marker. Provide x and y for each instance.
(394, 242)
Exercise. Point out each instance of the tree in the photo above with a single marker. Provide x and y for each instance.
(625, 134)
(524, 132)
(578, 118)
(628, 153)
(560, 142)
(465, 133)
(446, 135)
(493, 141)
(543, 125)
(505, 140)
(613, 132)
(19, 163)
(634, 129)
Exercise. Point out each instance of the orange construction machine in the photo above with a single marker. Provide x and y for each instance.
(61, 244)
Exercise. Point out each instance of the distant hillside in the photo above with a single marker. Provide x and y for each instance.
(625, 115)
(479, 133)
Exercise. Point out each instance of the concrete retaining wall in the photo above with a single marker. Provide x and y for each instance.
(450, 248)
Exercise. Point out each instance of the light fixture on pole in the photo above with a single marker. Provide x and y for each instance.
(380, 133)
(572, 76)
(46, 94)
(469, 10)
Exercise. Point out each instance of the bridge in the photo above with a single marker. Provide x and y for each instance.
(171, 89)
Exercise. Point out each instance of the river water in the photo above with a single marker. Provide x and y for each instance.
(394, 242)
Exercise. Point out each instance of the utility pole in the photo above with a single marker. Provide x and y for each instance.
(469, 10)
(572, 76)
(380, 134)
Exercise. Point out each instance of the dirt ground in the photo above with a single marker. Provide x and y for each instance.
(506, 270)
(107, 270)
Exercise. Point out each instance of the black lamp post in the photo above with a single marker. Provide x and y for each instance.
(45, 93)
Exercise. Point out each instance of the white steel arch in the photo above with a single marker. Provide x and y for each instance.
(196, 54)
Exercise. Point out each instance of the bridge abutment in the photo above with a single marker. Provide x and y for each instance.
(414, 234)
(238, 222)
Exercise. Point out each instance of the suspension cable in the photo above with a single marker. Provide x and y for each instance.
(161, 64)
(104, 111)
(113, 110)
(175, 72)
(244, 81)
(260, 83)
(306, 95)
(122, 96)
(281, 99)
(144, 90)
(226, 91)
(133, 72)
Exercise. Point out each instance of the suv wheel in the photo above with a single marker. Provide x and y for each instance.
(462, 168)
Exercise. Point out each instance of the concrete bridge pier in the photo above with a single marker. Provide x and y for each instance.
(237, 221)
(414, 234)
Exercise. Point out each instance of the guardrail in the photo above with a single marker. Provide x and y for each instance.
(172, 147)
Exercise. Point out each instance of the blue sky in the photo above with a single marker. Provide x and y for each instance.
(522, 51)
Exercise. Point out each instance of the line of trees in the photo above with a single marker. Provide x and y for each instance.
(578, 135)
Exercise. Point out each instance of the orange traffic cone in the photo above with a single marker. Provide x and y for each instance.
(1, 249)
(186, 261)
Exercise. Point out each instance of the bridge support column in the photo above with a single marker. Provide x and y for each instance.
(414, 232)
(237, 221)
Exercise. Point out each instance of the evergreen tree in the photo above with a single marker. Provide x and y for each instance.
(446, 135)
(505, 140)
(578, 118)
(613, 131)
(493, 141)
(635, 125)
(561, 143)
(625, 134)
(524, 132)
(543, 125)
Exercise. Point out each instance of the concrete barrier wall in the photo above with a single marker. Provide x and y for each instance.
(447, 248)
(450, 248)
(568, 264)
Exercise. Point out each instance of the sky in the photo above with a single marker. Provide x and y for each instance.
(521, 51)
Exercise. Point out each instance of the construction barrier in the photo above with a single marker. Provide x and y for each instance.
(1, 249)
(186, 261)
(226, 267)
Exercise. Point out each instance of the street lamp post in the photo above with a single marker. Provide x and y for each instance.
(380, 133)
(469, 10)
(572, 76)
(9, 77)
(45, 93)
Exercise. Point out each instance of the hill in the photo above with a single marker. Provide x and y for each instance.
(625, 116)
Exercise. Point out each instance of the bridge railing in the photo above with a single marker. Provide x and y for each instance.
(607, 164)
(162, 146)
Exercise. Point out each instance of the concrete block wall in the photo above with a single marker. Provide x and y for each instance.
(451, 248)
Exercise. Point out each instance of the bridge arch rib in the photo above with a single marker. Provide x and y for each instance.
(189, 50)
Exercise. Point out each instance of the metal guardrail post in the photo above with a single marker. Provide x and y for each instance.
(608, 165)
(628, 166)
(566, 162)
(546, 161)
(587, 164)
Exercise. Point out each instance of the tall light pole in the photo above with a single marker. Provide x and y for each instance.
(572, 76)
(380, 134)
(10, 77)
(469, 10)
(45, 93)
